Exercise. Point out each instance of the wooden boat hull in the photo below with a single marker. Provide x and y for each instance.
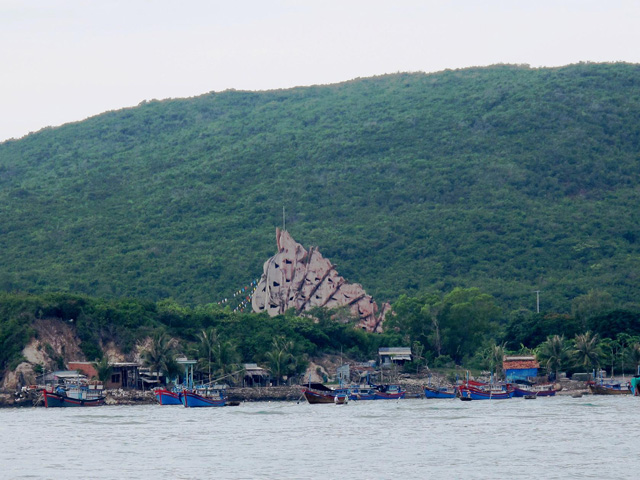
(167, 397)
(193, 400)
(602, 390)
(431, 392)
(315, 397)
(56, 400)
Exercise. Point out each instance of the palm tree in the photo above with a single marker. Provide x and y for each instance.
(280, 358)
(160, 355)
(103, 369)
(208, 340)
(587, 350)
(225, 358)
(633, 354)
(554, 353)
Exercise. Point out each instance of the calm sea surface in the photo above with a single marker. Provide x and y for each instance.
(561, 437)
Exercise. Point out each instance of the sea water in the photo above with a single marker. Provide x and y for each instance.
(559, 437)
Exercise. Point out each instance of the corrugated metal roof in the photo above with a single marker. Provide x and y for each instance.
(394, 351)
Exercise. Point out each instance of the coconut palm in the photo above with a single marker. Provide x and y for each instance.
(103, 369)
(281, 360)
(225, 358)
(553, 353)
(633, 354)
(586, 351)
(208, 340)
(160, 355)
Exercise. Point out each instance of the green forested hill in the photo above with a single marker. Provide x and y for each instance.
(506, 178)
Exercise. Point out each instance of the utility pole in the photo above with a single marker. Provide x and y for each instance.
(537, 300)
(284, 225)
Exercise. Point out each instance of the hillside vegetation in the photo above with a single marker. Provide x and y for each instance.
(506, 178)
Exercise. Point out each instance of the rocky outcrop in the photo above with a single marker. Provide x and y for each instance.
(304, 279)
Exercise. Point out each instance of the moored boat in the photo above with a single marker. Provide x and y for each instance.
(191, 399)
(75, 396)
(316, 393)
(611, 389)
(537, 390)
(389, 392)
(362, 393)
(488, 392)
(439, 392)
(167, 397)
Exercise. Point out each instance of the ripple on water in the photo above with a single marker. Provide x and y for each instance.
(552, 439)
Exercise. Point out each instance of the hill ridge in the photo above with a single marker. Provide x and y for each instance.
(505, 177)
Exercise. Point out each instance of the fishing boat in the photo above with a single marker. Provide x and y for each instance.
(439, 392)
(486, 392)
(74, 396)
(536, 390)
(318, 393)
(192, 399)
(168, 397)
(341, 398)
(362, 393)
(389, 392)
(608, 389)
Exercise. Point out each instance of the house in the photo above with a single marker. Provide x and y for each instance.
(394, 356)
(255, 376)
(520, 368)
(123, 374)
(86, 368)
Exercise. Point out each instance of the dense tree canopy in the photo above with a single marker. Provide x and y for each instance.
(505, 178)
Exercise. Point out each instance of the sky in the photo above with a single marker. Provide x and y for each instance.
(65, 60)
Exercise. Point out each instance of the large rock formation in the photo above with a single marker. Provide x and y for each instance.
(301, 279)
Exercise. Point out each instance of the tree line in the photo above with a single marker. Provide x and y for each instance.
(464, 327)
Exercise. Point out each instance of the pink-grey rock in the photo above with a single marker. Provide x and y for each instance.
(301, 279)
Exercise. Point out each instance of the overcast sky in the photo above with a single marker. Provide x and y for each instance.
(66, 60)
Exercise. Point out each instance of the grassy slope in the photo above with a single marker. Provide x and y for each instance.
(505, 178)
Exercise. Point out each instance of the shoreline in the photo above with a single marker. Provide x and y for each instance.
(243, 394)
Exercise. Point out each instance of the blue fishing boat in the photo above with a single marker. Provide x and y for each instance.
(362, 393)
(168, 397)
(439, 392)
(487, 392)
(389, 392)
(535, 390)
(191, 399)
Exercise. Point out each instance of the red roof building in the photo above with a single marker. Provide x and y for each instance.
(520, 368)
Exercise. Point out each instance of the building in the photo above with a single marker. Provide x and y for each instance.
(123, 374)
(394, 356)
(255, 376)
(520, 368)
